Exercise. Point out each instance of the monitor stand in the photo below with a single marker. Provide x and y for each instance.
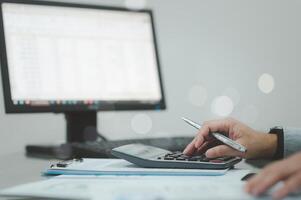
(81, 127)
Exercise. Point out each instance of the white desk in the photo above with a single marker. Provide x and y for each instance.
(18, 169)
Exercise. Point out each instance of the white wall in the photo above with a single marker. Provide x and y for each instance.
(217, 44)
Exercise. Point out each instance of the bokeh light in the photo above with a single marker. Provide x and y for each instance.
(197, 95)
(141, 124)
(266, 83)
(222, 106)
(135, 4)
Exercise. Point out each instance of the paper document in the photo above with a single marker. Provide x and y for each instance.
(122, 167)
(228, 186)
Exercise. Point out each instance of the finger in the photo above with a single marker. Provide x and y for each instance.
(266, 178)
(222, 125)
(290, 185)
(203, 148)
(222, 150)
(202, 136)
(211, 126)
(190, 148)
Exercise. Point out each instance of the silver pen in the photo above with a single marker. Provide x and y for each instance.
(219, 137)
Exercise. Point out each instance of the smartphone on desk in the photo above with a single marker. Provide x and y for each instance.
(153, 157)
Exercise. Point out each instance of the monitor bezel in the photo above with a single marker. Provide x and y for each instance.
(10, 107)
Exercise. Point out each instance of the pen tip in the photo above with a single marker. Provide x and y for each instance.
(185, 119)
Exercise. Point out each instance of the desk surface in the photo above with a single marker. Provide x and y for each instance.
(16, 169)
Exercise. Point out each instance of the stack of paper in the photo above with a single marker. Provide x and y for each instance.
(122, 167)
(228, 186)
(173, 185)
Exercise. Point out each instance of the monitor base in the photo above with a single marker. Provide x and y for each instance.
(61, 152)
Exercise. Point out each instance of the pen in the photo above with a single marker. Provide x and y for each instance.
(219, 137)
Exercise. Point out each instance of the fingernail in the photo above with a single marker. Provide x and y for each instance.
(209, 153)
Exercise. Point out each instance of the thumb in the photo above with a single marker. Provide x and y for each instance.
(222, 150)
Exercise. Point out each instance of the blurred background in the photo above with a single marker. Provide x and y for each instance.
(238, 58)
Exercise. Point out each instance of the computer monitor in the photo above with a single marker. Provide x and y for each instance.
(78, 59)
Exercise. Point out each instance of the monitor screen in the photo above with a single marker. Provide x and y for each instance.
(58, 57)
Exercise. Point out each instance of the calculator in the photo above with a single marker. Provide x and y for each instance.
(153, 157)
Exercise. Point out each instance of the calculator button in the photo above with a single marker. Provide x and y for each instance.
(177, 154)
(184, 157)
(192, 159)
(169, 158)
(225, 158)
(198, 157)
(206, 159)
(180, 158)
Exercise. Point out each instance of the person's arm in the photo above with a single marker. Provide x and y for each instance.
(291, 141)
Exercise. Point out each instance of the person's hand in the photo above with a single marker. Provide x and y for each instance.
(287, 170)
(259, 145)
